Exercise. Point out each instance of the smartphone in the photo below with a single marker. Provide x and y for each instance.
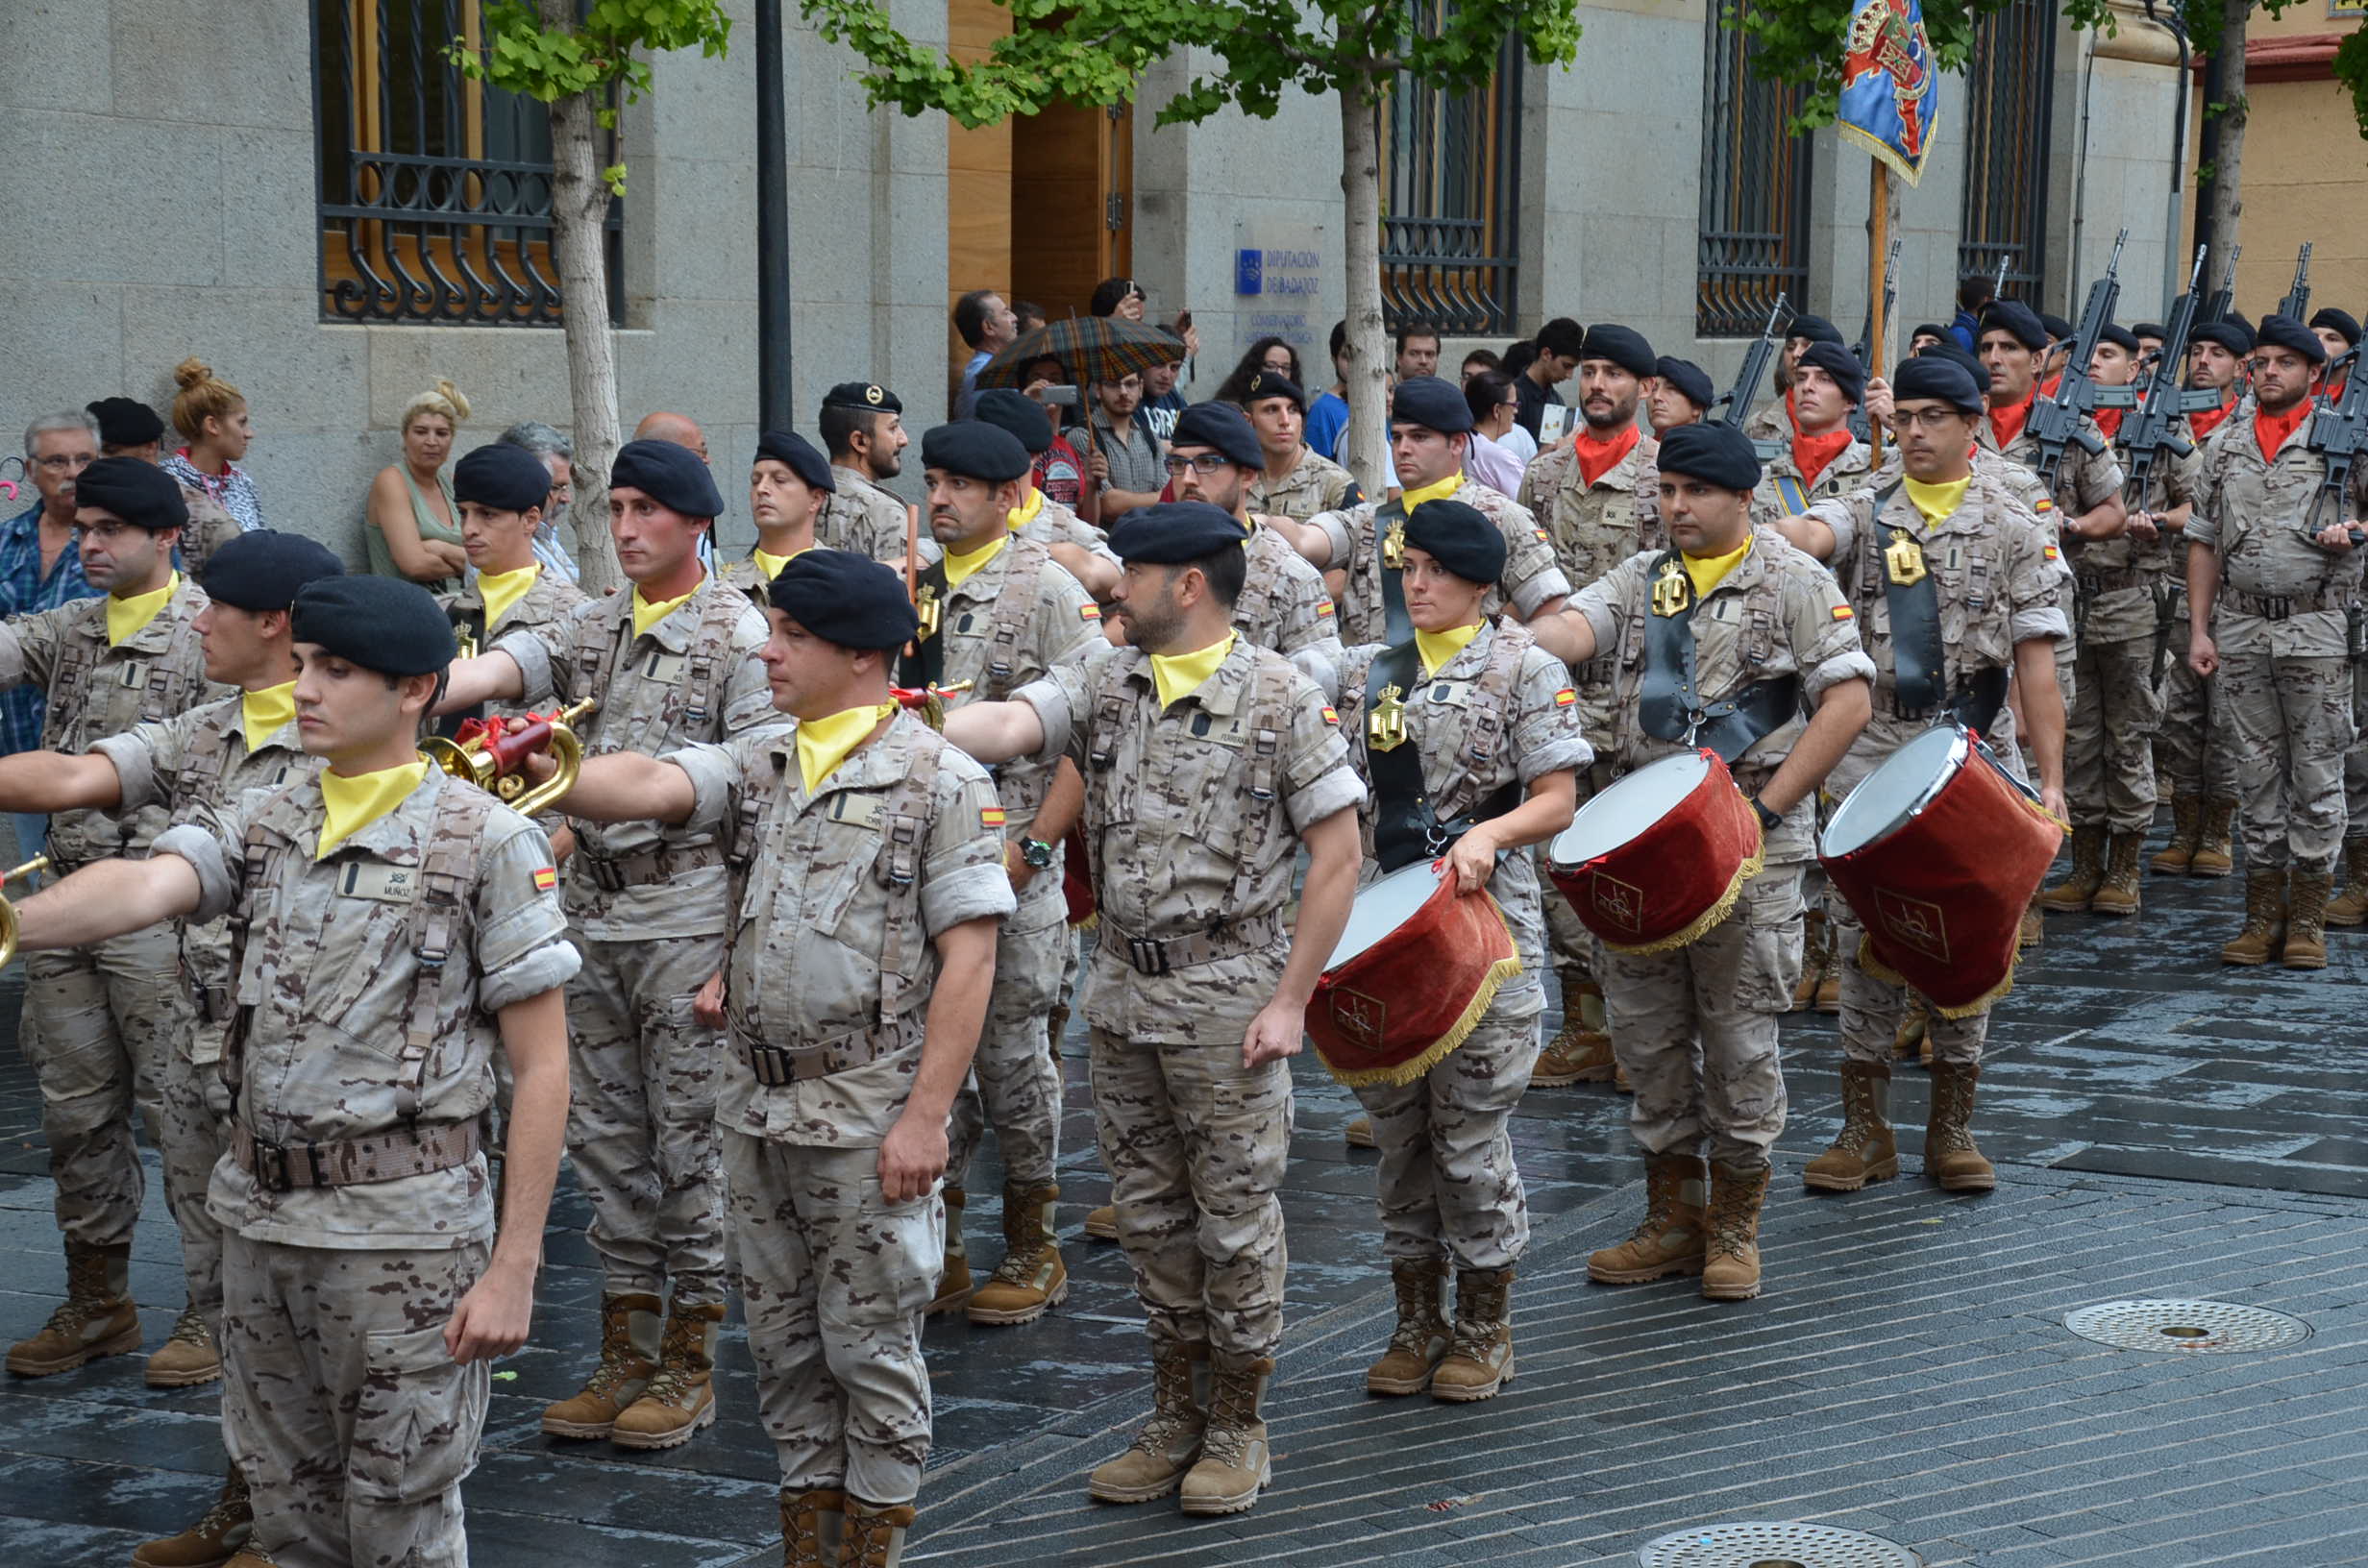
(1065, 396)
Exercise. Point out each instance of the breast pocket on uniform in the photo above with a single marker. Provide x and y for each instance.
(367, 926)
(1195, 791)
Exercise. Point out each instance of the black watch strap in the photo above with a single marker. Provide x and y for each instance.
(1769, 820)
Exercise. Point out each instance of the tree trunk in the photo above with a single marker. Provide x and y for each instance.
(579, 206)
(2228, 193)
(1368, 337)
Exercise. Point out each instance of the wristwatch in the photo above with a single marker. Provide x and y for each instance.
(1036, 852)
(1769, 821)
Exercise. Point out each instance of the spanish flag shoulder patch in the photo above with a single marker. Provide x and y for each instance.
(1541, 536)
(1089, 612)
(1844, 612)
(990, 815)
(546, 878)
(1565, 697)
(1325, 608)
(2053, 554)
(2043, 504)
(1331, 716)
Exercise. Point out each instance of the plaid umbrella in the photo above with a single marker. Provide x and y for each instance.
(1090, 348)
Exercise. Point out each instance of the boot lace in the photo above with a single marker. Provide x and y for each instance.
(1952, 1112)
(1417, 1310)
(1174, 1414)
(677, 1377)
(191, 1330)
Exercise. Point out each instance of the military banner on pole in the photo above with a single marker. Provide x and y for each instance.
(1891, 89)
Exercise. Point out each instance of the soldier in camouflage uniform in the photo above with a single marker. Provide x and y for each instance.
(1822, 458)
(107, 1020)
(1695, 1026)
(2283, 572)
(789, 488)
(868, 866)
(396, 927)
(1294, 480)
(1208, 763)
(1994, 613)
(1773, 423)
(1494, 731)
(672, 663)
(862, 426)
(1079, 546)
(501, 511)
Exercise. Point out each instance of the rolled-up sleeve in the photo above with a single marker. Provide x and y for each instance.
(1547, 730)
(715, 773)
(537, 661)
(1059, 700)
(963, 877)
(1318, 778)
(1339, 531)
(134, 757)
(522, 946)
(204, 843)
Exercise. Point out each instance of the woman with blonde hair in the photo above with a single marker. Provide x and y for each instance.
(211, 417)
(410, 525)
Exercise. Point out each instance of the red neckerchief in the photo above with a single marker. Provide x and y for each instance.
(2047, 388)
(2204, 421)
(2108, 420)
(2271, 430)
(2006, 425)
(1810, 454)
(1790, 417)
(1597, 458)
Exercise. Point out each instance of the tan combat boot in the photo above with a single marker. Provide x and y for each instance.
(2306, 926)
(1480, 1355)
(1949, 1154)
(2071, 896)
(1669, 1240)
(954, 1285)
(630, 1331)
(1170, 1442)
(875, 1535)
(1031, 1279)
(2263, 936)
(218, 1534)
(2034, 929)
(2120, 892)
(2350, 906)
(1863, 1151)
(96, 1318)
(189, 1358)
(1580, 1051)
(1358, 1133)
(1829, 988)
(681, 1398)
(1731, 1261)
(2186, 822)
(1102, 1223)
(813, 1525)
(2215, 854)
(1235, 1464)
(1420, 1337)
(1816, 955)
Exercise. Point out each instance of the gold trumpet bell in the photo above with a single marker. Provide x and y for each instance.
(494, 759)
(8, 911)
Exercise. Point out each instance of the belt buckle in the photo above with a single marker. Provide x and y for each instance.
(271, 1167)
(2276, 608)
(1148, 955)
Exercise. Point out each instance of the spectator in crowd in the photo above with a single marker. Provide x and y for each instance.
(683, 431)
(1271, 354)
(1418, 349)
(410, 526)
(1117, 297)
(988, 326)
(1161, 401)
(41, 568)
(1558, 360)
(1974, 292)
(1060, 471)
(1517, 357)
(1027, 315)
(1122, 462)
(557, 454)
(1327, 416)
(1500, 448)
(212, 418)
(1480, 359)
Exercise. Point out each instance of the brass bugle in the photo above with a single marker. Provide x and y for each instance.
(8, 911)
(496, 762)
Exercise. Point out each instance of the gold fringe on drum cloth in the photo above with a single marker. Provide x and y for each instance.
(1891, 976)
(1439, 1049)
(1704, 922)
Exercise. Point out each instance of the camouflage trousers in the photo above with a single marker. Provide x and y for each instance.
(836, 1279)
(197, 1114)
(352, 1422)
(641, 1114)
(2191, 741)
(2289, 723)
(1014, 1084)
(1448, 1184)
(1695, 1027)
(107, 1018)
(2109, 771)
(2356, 763)
(1195, 1147)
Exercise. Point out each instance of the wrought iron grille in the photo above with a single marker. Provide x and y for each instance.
(434, 190)
(1450, 202)
(2010, 79)
(1755, 192)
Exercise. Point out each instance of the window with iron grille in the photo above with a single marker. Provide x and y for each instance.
(1754, 219)
(2009, 81)
(434, 190)
(1450, 197)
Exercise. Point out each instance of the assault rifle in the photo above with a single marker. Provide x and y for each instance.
(2338, 434)
(2154, 428)
(1866, 345)
(2217, 306)
(2296, 301)
(1755, 370)
(2057, 421)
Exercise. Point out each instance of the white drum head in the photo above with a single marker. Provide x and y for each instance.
(1382, 907)
(1896, 791)
(1622, 813)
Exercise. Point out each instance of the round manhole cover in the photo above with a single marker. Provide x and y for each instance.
(1766, 1544)
(2217, 1327)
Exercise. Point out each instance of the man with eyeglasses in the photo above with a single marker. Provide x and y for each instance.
(40, 570)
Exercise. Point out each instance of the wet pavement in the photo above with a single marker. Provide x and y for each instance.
(2164, 1127)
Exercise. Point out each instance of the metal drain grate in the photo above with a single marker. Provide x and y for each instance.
(2212, 1327)
(1766, 1544)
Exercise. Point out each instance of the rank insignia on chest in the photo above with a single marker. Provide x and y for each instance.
(1905, 559)
(931, 610)
(1671, 591)
(1394, 545)
(1385, 727)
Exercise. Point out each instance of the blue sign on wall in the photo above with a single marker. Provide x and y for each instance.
(1249, 272)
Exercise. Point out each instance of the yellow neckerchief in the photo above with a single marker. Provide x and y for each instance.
(771, 565)
(1177, 676)
(1026, 512)
(499, 590)
(1708, 572)
(824, 743)
(125, 616)
(353, 803)
(1936, 501)
(1448, 486)
(265, 712)
(960, 569)
(647, 615)
(1437, 648)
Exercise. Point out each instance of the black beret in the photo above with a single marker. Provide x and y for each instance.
(976, 449)
(2286, 333)
(1942, 376)
(847, 598)
(1432, 402)
(1624, 346)
(2340, 321)
(2057, 327)
(264, 569)
(389, 624)
(1691, 381)
(128, 422)
(670, 475)
(866, 397)
(1223, 425)
(2119, 337)
(141, 494)
(1274, 383)
(1019, 414)
(1719, 455)
(1816, 329)
(1925, 329)
(2149, 329)
(1839, 364)
(505, 478)
(2018, 321)
(1460, 538)
(2230, 331)
(1173, 533)
(795, 452)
